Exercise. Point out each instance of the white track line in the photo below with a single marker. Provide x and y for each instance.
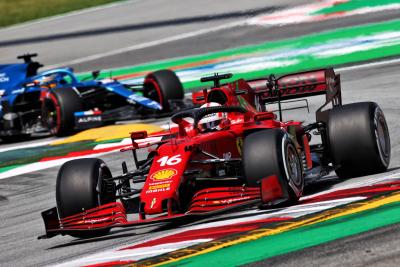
(22, 146)
(130, 254)
(369, 65)
(149, 44)
(42, 165)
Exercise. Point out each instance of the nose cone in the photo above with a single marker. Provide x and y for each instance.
(154, 206)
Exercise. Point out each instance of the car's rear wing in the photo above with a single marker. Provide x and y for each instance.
(300, 85)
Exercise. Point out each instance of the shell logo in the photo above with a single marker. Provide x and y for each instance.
(163, 174)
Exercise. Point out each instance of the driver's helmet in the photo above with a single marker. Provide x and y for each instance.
(47, 79)
(211, 122)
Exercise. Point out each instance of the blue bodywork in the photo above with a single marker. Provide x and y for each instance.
(13, 81)
(18, 80)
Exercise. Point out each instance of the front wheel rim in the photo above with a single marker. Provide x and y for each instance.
(382, 138)
(293, 165)
(51, 117)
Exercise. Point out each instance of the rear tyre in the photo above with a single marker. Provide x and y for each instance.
(359, 139)
(81, 186)
(58, 110)
(162, 86)
(271, 152)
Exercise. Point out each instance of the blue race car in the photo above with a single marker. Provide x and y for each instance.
(55, 101)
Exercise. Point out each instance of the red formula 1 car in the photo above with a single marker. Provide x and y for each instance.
(230, 153)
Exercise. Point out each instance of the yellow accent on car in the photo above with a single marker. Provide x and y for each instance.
(163, 174)
(108, 133)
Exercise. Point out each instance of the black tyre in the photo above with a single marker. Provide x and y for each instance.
(359, 139)
(58, 110)
(271, 152)
(81, 186)
(162, 86)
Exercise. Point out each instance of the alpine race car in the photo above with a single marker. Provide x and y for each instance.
(232, 152)
(56, 101)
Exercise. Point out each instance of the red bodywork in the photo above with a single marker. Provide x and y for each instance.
(182, 157)
(165, 177)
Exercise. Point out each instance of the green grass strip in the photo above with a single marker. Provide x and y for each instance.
(10, 167)
(17, 11)
(18, 157)
(297, 239)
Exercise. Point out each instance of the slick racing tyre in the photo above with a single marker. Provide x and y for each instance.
(81, 186)
(271, 152)
(58, 110)
(162, 86)
(359, 139)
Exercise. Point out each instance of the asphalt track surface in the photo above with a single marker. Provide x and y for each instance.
(22, 198)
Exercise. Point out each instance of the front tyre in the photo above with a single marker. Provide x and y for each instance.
(58, 110)
(81, 186)
(271, 152)
(163, 86)
(359, 139)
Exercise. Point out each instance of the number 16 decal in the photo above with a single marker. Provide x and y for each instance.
(166, 160)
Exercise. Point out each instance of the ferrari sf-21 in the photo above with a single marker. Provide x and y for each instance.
(56, 101)
(232, 152)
